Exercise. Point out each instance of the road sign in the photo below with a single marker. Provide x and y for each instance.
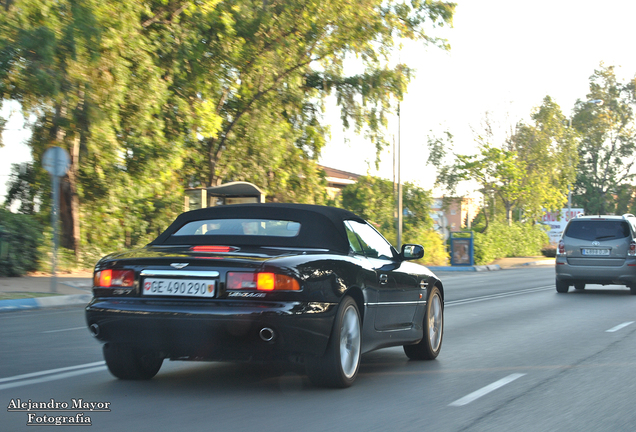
(56, 161)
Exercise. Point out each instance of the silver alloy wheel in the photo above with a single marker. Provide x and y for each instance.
(350, 342)
(435, 322)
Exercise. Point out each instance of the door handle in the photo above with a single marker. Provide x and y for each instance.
(384, 279)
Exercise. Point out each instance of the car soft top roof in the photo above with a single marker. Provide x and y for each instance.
(321, 227)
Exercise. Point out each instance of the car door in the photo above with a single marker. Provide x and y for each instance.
(397, 291)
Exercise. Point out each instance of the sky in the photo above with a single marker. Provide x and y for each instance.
(505, 57)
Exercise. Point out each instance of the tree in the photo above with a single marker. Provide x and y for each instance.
(84, 70)
(608, 141)
(548, 148)
(531, 170)
(151, 96)
(368, 199)
(23, 188)
(249, 78)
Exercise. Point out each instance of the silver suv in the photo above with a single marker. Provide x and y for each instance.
(597, 250)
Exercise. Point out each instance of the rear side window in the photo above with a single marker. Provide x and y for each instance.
(597, 230)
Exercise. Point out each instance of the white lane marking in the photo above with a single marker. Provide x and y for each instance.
(618, 327)
(52, 371)
(52, 377)
(497, 296)
(485, 390)
(63, 330)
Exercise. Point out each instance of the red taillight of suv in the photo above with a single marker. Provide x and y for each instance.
(632, 249)
(561, 248)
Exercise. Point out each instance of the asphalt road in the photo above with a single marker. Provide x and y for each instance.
(516, 356)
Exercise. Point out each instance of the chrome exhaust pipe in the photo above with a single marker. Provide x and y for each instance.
(267, 334)
(94, 329)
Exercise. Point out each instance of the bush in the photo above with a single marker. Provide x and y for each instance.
(549, 251)
(501, 240)
(23, 235)
(434, 248)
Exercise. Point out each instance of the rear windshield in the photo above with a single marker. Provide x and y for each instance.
(240, 227)
(597, 229)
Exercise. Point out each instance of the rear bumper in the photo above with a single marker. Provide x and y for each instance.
(605, 275)
(214, 330)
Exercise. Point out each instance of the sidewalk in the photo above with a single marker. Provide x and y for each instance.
(499, 264)
(35, 291)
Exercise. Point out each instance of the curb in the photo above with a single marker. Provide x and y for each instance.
(490, 267)
(44, 302)
(539, 263)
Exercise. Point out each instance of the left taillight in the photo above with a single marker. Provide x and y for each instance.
(261, 282)
(110, 278)
(561, 248)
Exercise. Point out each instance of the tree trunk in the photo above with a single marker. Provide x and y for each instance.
(214, 155)
(69, 199)
(75, 204)
(509, 214)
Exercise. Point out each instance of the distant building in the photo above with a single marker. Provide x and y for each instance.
(456, 217)
(337, 180)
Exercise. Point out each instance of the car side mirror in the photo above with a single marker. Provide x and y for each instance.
(412, 252)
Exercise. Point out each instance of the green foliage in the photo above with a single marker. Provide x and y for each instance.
(250, 78)
(372, 199)
(369, 198)
(608, 142)
(531, 170)
(85, 71)
(23, 235)
(549, 150)
(549, 251)
(150, 97)
(515, 240)
(435, 252)
(23, 188)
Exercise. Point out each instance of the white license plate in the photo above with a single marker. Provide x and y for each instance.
(179, 287)
(596, 252)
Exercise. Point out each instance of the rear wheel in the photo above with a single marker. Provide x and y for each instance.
(579, 286)
(130, 363)
(431, 344)
(562, 287)
(632, 289)
(339, 366)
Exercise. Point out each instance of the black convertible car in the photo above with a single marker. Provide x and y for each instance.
(316, 286)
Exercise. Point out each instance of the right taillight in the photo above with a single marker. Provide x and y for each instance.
(632, 249)
(561, 248)
(261, 282)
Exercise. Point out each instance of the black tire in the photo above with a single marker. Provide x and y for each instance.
(632, 289)
(562, 287)
(339, 366)
(431, 344)
(129, 363)
(579, 286)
